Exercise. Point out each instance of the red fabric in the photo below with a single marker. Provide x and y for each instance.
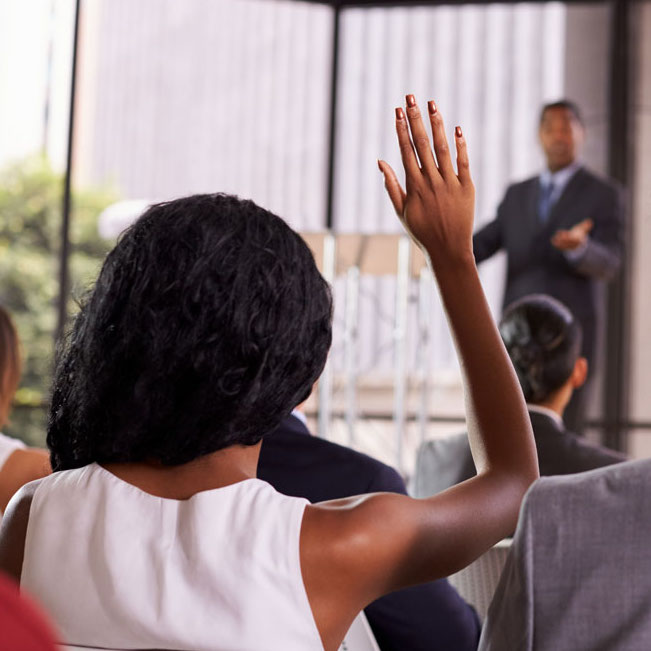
(22, 626)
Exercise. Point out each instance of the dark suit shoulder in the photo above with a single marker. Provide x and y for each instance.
(560, 452)
(584, 176)
(599, 181)
(297, 463)
(596, 191)
(590, 455)
(518, 196)
(381, 477)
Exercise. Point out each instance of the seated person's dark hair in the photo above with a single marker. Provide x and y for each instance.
(543, 340)
(208, 323)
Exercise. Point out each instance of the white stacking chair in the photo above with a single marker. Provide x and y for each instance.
(477, 582)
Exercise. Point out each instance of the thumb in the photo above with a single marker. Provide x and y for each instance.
(586, 225)
(392, 185)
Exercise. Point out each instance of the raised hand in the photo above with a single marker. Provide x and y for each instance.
(568, 240)
(437, 205)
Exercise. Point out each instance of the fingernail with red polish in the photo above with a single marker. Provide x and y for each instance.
(411, 101)
(378, 165)
(399, 114)
(431, 106)
(457, 132)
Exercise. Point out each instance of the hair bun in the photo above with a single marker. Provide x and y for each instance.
(543, 340)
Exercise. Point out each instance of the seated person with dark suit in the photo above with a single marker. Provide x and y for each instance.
(543, 340)
(429, 617)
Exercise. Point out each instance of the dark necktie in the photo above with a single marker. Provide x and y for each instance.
(545, 201)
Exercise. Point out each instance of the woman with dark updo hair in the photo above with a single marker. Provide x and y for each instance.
(543, 339)
(208, 324)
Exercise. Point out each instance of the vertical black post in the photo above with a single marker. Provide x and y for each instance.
(617, 371)
(334, 88)
(64, 253)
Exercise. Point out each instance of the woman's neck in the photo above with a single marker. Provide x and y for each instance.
(215, 470)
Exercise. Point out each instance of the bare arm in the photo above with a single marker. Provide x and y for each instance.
(13, 532)
(353, 551)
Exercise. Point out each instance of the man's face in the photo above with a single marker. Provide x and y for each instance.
(561, 137)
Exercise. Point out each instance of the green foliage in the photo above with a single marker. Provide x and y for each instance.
(31, 197)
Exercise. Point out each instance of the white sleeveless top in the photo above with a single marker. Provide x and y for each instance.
(7, 447)
(121, 569)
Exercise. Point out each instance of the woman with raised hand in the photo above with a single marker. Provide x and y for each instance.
(209, 323)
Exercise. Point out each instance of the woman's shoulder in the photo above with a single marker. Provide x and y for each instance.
(13, 531)
(61, 478)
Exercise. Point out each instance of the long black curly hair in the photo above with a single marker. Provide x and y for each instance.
(543, 339)
(208, 323)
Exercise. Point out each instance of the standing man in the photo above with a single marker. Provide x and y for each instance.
(561, 231)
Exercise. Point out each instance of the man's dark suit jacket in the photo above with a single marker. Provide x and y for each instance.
(430, 617)
(445, 462)
(563, 453)
(536, 266)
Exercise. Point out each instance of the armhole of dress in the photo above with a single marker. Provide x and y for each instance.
(297, 523)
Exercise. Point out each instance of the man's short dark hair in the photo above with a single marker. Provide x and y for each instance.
(208, 323)
(543, 340)
(562, 104)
